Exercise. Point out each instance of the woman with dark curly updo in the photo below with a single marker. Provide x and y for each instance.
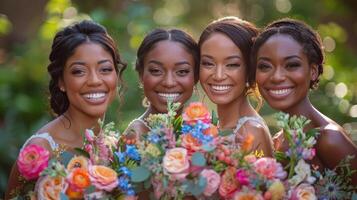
(289, 59)
(85, 69)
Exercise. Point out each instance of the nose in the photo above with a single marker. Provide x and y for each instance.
(278, 75)
(94, 78)
(219, 73)
(169, 80)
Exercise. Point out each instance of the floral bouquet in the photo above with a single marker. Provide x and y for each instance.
(175, 153)
(188, 156)
(98, 173)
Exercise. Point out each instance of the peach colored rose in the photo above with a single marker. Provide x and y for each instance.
(248, 195)
(190, 143)
(269, 168)
(103, 177)
(33, 159)
(48, 187)
(78, 162)
(176, 164)
(304, 192)
(213, 180)
(196, 111)
(229, 183)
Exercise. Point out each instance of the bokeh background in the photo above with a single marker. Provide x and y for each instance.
(27, 28)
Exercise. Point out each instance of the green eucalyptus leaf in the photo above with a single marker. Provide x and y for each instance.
(198, 159)
(140, 174)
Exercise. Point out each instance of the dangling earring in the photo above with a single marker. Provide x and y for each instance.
(247, 85)
(145, 102)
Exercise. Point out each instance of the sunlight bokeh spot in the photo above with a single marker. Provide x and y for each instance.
(329, 44)
(70, 13)
(344, 105)
(328, 72)
(283, 6)
(163, 16)
(257, 12)
(353, 111)
(341, 90)
(330, 89)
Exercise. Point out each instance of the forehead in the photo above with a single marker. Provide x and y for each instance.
(167, 47)
(219, 43)
(281, 44)
(90, 48)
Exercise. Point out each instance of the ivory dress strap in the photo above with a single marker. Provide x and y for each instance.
(45, 136)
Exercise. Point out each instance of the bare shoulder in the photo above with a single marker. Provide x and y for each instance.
(262, 139)
(254, 128)
(333, 135)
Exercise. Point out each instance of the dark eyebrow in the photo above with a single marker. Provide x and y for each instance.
(155, 62)
(234, 56)
(104, 61)
(77, 63)
(182, 63)
(264, 58)
(293, 56)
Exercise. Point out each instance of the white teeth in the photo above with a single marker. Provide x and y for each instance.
(280, 92)
(169, 95)
(221, 87)
(94, 95)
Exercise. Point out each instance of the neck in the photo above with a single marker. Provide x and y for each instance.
(229, 114)
(306, 109)
(77, 122)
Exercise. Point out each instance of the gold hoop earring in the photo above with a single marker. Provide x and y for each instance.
(145, 102)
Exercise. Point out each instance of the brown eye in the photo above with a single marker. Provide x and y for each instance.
(263, 67)
(183, 72)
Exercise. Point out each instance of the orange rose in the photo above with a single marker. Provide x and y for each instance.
(196, 111)
(190, 143)
(212, 131)
(78, 181)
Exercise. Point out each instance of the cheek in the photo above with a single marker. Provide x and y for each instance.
(260, 78)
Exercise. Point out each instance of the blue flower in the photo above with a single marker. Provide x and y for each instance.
(126, 171)
(132, 152)
(121, 156)
(154, 138)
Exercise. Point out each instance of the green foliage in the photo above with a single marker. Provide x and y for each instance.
(198, 159)
(140, 174)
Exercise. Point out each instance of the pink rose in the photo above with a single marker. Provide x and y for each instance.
(33, 159)
(213, 180)
(103, 178)
(269, 168)
(242, 177)
(176, 164)
(303, 192)
(229, 183)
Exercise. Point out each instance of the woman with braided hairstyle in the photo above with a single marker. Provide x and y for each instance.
(288, 57)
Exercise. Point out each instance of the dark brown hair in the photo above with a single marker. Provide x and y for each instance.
(300, 32)
(64, 44)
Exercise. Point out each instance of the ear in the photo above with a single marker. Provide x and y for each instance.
(61, 85)
(314, 72)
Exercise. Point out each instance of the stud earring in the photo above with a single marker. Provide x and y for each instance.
(62, 89)
(247, 84)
